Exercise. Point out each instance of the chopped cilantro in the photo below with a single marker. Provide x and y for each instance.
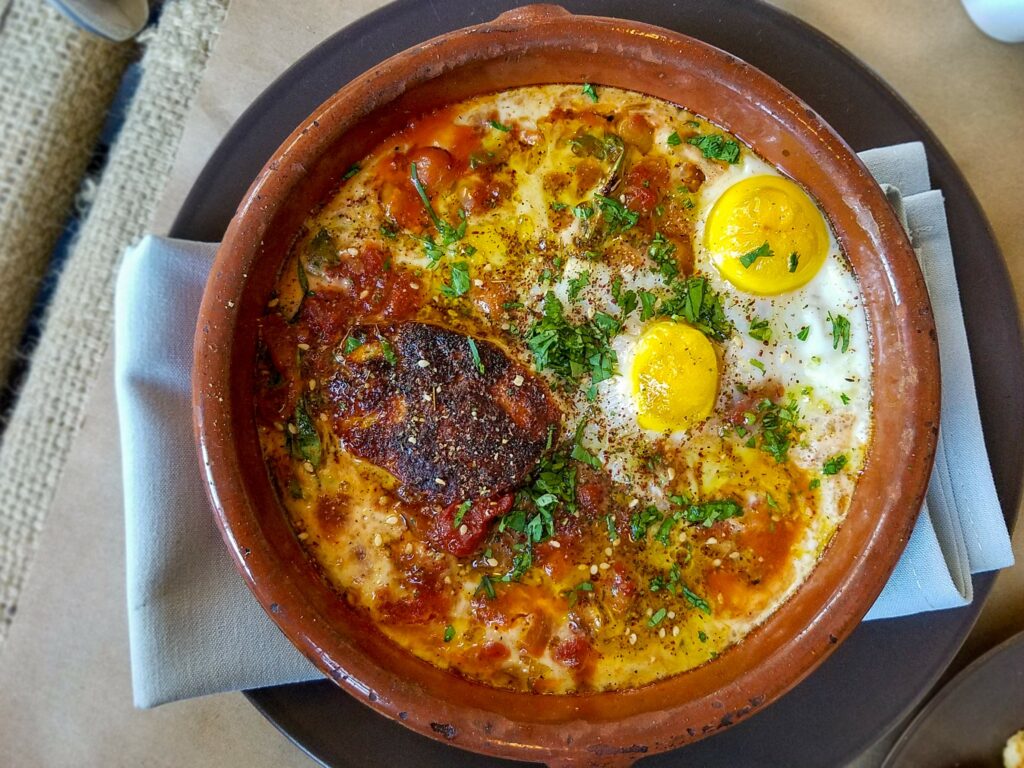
(581, 454)
(306, 441)
(803, 333)
(460, 513)
(498, 126)
(435, 251)
(840, 331)
(583, 211)
(668, 584)
(618, 216)
(352, 344)
(702, 636)
(710, 512)
(845, 398)
(696, 600)
(475, 354)
(640, 521)
(662, 252)
(815, 483)
(557, 206)
(459, 284)
(716, 147)
(571, 350)
(763, 251)
(699, 305)
(757, 364)
(673, 139)
(647, 302)
(609, 521)
(779, 427)
(657, 617)
(794, 261)
(449, 633)
(577, 284)
(589, 92)
(834, 465)
(760, 330)
(303, 278)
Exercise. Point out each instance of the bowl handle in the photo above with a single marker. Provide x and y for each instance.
(535, 12)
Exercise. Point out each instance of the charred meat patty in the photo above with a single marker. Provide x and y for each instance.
(451, 416)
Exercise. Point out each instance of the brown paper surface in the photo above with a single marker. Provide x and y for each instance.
(64, 670)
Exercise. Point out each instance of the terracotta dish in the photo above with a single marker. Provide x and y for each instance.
(538, 45)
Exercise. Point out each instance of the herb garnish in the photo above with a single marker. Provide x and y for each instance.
(696, 600)
(459, 285)
(498, 126)
(840, 331)
(583, 211)
(760, 330)
(803, 333)
(662, 252)
(673, 139)
(475, 354)
(588, 90)
(352, 343)
(716, 147)
(640, 521)
(657, 617)
(834, 465)
(794, 261)
(352, 171)
(388, 352)
(763, 251)
(577, 284)
(647, 304)
(699, 305)
(618, 216)
(435, 251)
(449, 633)
(306, 440)
(460, 513)
(779, 427)
(486, 587)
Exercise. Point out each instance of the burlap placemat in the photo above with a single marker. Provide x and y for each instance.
(79, 320)
(56, 84)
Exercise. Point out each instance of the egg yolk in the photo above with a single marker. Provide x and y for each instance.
(675, 377)
(766, 235)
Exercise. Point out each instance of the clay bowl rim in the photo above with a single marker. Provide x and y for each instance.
(662, 715)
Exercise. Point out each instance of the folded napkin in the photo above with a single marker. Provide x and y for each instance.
(196, 629)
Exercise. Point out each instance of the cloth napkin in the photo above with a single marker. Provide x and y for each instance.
(196, 629)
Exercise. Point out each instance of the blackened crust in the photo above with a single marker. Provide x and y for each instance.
(446, 429)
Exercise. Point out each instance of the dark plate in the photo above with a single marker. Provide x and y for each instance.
(884, 669)
(971, 718)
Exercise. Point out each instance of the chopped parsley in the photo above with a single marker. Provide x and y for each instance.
(577, 284)
(757, 364)
(449, 633)
(388, 231)
(589, 92)
(583, 211)
(449, 235)
(618, 216)
(486, 587)
(459, 282)
(321, 250)
(570, 350)
(803, 333)
(794, 261)
(845, 398)
(510, 305)
(657, 617)
(647, 302)
(779, 427)
(668, 584)
(581, 454)
(763, 251)
(696, 600)
(699, 305)
(834, 465)
(815, 483)
(388, 352)
(662, 252)
(475, 354)
(673, 139)
(710, 512)
(760, 330)
(840, 331)
(557, 206)
(460, 513)
(716, 147)
(352, 171)
(498, 126)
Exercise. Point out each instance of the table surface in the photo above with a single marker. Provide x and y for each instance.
(64, 670)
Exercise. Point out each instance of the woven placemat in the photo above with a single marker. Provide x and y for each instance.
(79, 320)
(56, 84)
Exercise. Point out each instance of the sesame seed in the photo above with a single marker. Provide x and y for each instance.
(439, 481)
(303, 346)
(616, 542)
(682, 537)
(323, 416)
(734, 555)
(671, 614)
(478, 282)
(308, 467)
(412, 439)
(556, 544)
(303, 536)
(231, 304)
(661, 632)
(671, 474)
(423, 363)
(604, 566)
(632, 638)
(408, 548)
(650, 611)
(312, 384)
(760, 559)
(493, 562)
(775, 518)
(711, 541)
(675, 631)
(607, 551)
(381, 500)
(518, 380)
(273, 303)
(279, 426)
(391, 519)
(447, 579)
(292, 429)
(716, 562)
(377, 540)
(633, 503)
(463, 529)
(593, 570)
(365, 293)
